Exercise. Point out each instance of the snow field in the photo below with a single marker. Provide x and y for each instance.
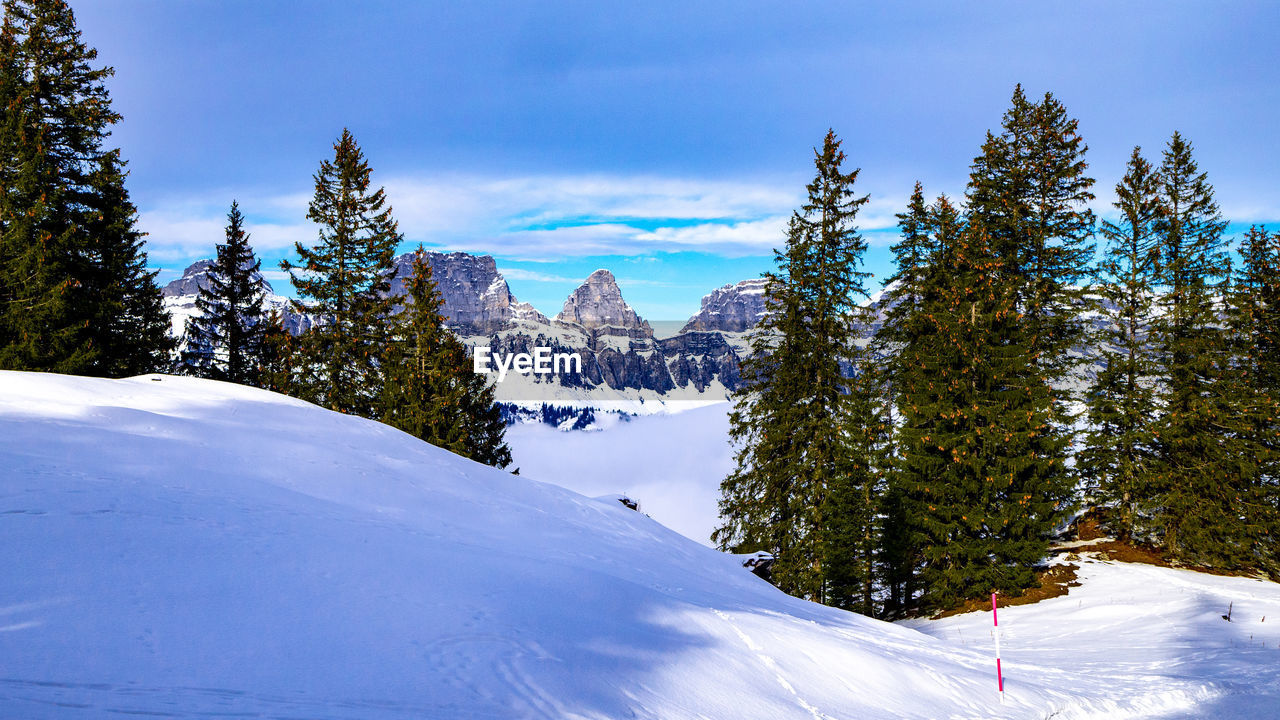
(184, 548)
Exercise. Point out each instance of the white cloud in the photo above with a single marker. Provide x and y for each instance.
(533, 218)
(534, 276)
(756, 237)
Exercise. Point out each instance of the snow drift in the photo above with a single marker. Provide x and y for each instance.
(188, 548)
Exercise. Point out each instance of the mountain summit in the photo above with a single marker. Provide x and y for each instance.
(732, 308)
(598, 303)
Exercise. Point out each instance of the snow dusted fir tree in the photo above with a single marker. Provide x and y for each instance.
(430, 390)
(347, 276)
(804, 487)
(225, 338)
(1116, 460)
(75, 294)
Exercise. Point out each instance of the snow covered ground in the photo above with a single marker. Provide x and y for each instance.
(184, 548)
(672, 464)
(1153, 636)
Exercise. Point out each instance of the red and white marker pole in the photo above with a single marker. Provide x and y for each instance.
(995, 622)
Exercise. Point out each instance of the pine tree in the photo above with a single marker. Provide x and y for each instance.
(132, 331)
(804, 471)
(991, 482)
(278, 362)
(975, 491)
(1121, 400)
(347, 276)
(898, 345)
(1203, 472)
(1030, 193)
(1253, 320)
(225, 337)
(431, 391)
(76, 296)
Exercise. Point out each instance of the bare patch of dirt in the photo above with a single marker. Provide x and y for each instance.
(1055, 581)
(1089, 527)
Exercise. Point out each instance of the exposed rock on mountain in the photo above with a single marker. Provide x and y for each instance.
(597, 306)
(732, 308)
(476, 297)
(621, 359)
(700, 359)
(195, 278)
(180, 300)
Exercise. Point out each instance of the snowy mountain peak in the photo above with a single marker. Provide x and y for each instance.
(732, 308)
(195, 277)
(598, 303)
(476, 296)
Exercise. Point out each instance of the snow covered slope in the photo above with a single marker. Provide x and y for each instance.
(185, 548)
(1155, 637)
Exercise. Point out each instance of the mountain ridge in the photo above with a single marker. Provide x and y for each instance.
(622, 360)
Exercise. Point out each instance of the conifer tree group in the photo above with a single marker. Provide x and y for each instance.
(363, 355)
(909, 460)
(76, 295)
(1012, 381)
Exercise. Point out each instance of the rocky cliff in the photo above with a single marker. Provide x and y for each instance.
(732, 308)
(476, 297)
(597, 306)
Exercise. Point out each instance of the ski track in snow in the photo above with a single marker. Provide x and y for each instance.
(181, 548)
(771, 665)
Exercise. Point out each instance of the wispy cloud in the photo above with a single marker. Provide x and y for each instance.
(533, 218)
(533, 276)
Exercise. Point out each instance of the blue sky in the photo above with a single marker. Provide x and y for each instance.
(665, 141)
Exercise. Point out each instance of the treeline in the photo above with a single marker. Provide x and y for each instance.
(1012, 380)
(76, 296)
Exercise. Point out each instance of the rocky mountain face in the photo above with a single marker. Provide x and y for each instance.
(597, 306)
(180, 300)
(621, 359)
(193, 280)
(476, 297)
(732, 308)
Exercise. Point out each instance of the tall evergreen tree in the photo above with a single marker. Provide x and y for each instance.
(347, 277)
(1203, 472)
(974, 489)
(1121, 401)
(899, 344)
(1253, 320)
(431, 391)
(225, 337)
(1029, 192)
(992, 359)
(76, 295)
(131, 329)
(803, 468)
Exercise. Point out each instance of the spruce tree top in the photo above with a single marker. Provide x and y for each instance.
(357, 235)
